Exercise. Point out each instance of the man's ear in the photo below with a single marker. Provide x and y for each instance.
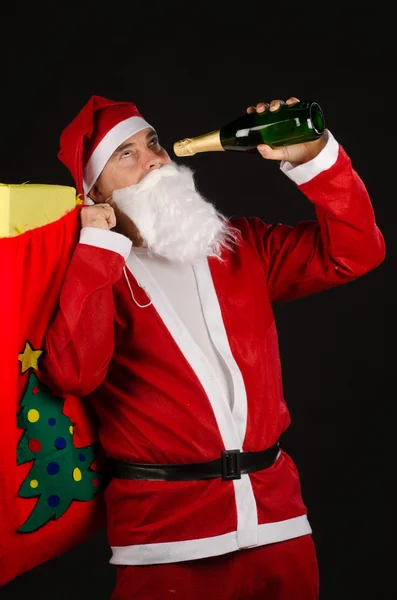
(93, 194)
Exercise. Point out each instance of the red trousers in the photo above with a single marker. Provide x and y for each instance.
(283, 571)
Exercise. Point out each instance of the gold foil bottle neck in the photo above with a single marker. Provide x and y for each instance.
(209, 142)
(184, 147)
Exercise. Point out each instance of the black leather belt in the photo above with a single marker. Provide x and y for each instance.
(231, 465)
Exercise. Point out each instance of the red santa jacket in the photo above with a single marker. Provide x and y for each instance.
(155, 392)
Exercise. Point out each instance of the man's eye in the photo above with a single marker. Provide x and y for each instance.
(154, 142)
(126, 154)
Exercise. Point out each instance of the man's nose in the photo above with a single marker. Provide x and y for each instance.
(152, 161)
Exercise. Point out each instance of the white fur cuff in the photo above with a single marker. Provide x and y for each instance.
(104, 238)
(324, 160)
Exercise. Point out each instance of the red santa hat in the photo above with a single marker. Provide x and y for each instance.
(88, 142)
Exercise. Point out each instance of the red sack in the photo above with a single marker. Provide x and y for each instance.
(51, 489)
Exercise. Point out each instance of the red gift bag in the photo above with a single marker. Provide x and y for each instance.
(51, 487)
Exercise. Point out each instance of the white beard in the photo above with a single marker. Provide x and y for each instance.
(173, 219)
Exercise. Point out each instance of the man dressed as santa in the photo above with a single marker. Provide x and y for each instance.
(165, 325)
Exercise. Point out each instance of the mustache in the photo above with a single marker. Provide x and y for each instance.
(183, 174)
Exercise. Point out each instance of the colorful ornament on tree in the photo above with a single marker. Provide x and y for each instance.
(60, 473)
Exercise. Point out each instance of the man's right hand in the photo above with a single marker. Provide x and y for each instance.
(100, 215)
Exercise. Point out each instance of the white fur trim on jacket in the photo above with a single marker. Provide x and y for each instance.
(104, 238)
(324, 160)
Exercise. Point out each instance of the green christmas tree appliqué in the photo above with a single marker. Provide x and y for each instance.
(60, 472)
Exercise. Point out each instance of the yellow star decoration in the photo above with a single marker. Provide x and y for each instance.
(29, 358)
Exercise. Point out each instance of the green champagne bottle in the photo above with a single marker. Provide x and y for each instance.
(290, 124)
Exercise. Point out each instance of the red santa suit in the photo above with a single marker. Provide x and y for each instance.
(182, 363)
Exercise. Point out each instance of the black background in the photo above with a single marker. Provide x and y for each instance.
(189, 71)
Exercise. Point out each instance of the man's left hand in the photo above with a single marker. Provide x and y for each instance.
(296, 153)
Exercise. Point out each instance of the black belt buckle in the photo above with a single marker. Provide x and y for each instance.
(231, 468)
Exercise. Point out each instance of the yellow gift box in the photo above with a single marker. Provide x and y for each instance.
(27, 206)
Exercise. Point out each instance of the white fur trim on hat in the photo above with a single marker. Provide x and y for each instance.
(112, 140)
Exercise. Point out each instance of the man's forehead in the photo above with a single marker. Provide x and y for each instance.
(136, 137)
